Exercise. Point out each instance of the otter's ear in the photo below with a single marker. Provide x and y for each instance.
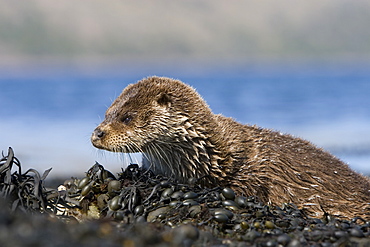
(164, 99)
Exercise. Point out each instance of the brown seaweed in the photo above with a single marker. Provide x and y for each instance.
(137, 208)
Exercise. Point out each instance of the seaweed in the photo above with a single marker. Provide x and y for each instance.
(26, 191)
(139, 208)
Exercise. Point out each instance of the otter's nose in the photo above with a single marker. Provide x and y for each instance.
(98, 134)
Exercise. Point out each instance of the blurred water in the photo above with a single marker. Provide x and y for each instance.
(47, 115)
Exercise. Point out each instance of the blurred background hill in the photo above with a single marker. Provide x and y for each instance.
(182, 31)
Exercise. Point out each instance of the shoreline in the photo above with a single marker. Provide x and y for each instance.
(138, 208)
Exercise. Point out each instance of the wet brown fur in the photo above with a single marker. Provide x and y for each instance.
(179, 136)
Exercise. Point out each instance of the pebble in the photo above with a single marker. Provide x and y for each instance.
(144, 210)
(222, 213)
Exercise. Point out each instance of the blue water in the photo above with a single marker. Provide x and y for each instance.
(47, 114)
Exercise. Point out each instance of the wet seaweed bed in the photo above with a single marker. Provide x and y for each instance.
(136, 208)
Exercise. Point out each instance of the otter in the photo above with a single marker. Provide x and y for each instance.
(179, 136)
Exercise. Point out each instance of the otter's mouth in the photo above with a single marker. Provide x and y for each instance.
(99, 145)
(98, 140)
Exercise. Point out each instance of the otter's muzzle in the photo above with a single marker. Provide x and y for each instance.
(96, 137)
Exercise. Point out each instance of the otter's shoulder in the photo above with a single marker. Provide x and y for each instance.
(232, 127)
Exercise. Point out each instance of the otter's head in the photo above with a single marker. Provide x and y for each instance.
(152, 111)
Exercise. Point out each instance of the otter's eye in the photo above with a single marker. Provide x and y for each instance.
(126, 119)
